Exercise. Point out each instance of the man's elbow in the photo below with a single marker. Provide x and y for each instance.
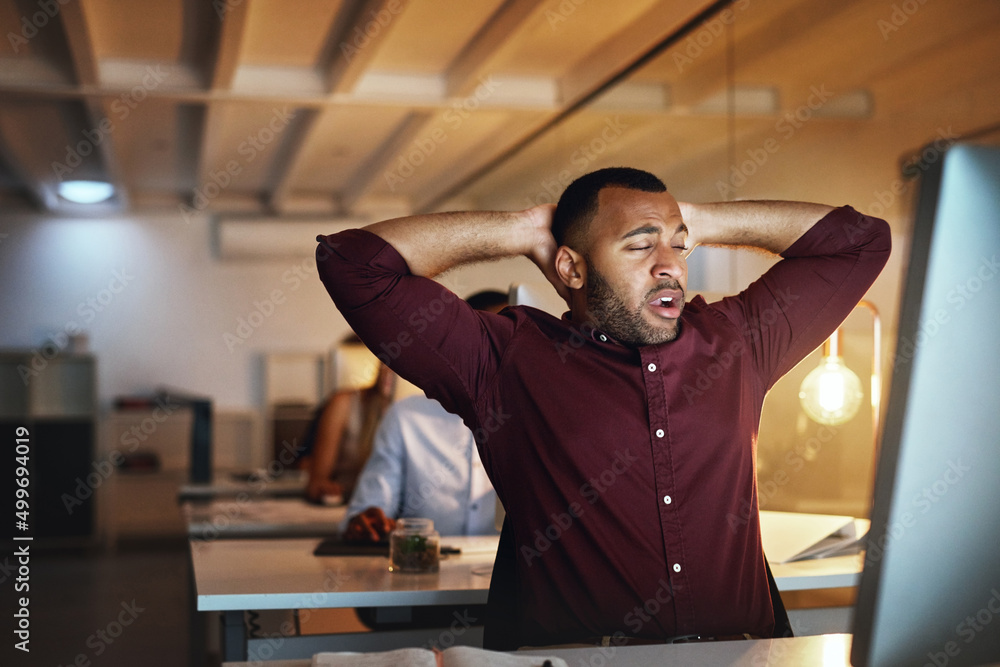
(882, 235)
(881, 243)
(870, 234)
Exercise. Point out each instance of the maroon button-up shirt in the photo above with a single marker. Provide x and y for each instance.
(628, 474)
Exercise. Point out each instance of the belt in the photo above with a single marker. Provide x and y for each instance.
(686, 639)
(626, 640)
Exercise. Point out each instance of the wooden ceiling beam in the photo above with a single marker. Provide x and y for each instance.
(288, 164)
(81, 46)
(232, 30)
(219, 75)
(476, 157)
(608, 59)
(209, 132)
(86, 67)
(405, 133)
(355, 40)
(39, 192)
(472, 60)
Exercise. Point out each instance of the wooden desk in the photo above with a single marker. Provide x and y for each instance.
(236, 575)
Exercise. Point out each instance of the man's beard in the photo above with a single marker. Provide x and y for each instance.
(614, 317)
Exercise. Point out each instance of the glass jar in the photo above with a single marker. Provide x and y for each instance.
(414, 546)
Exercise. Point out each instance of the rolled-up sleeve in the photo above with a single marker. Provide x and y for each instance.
(420, 329)
(798, 302)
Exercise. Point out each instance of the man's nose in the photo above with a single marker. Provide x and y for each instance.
(668, 264)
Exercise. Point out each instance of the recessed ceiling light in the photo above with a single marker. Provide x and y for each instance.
(86, 192)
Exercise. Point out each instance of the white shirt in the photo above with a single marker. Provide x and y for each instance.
(424, 463)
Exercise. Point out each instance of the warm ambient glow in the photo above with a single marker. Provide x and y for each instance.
(831, 394)
(86, 192)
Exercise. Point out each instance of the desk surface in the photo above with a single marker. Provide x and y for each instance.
(807, 575)
(283, 574)
(250, 517)
(228, 484)
(826, 650)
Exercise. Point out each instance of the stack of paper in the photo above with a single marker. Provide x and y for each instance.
(791, 536)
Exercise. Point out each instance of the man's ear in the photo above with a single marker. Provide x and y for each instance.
(571, 267)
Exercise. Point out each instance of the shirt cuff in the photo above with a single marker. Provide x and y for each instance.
(842, 229)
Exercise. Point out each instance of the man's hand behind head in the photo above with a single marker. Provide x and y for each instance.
(372, 525)
(543, 246)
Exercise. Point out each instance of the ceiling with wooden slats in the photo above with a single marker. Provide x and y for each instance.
(338, 107)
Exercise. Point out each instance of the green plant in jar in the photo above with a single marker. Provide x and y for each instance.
(414, 546)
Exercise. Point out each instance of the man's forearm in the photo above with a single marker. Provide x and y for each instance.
(771, 225)
(436, 242)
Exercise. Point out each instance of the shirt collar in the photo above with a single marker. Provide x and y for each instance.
(590, 331)
(599, 336)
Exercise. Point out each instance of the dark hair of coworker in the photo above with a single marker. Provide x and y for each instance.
(578, 203)
(487, 300)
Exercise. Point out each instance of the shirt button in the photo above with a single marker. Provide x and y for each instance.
(474, 506)
(659, 433)
(651, 367)
(667, 500)
(677, 567)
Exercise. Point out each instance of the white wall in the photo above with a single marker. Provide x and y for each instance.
(161, 308)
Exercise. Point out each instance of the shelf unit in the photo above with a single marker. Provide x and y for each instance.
(55, 398)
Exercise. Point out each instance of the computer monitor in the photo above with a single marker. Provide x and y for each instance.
(930, 590)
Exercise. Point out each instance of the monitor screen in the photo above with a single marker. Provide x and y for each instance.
(930, 590)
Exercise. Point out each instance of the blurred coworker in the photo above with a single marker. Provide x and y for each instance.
(340, 437)
(425, 463)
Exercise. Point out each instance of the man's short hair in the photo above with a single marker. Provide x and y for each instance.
(578, 203)
(487, 300)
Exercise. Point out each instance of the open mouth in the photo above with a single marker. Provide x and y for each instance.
(667, 304)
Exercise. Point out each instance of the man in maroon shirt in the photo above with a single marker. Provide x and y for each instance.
(621, 438)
